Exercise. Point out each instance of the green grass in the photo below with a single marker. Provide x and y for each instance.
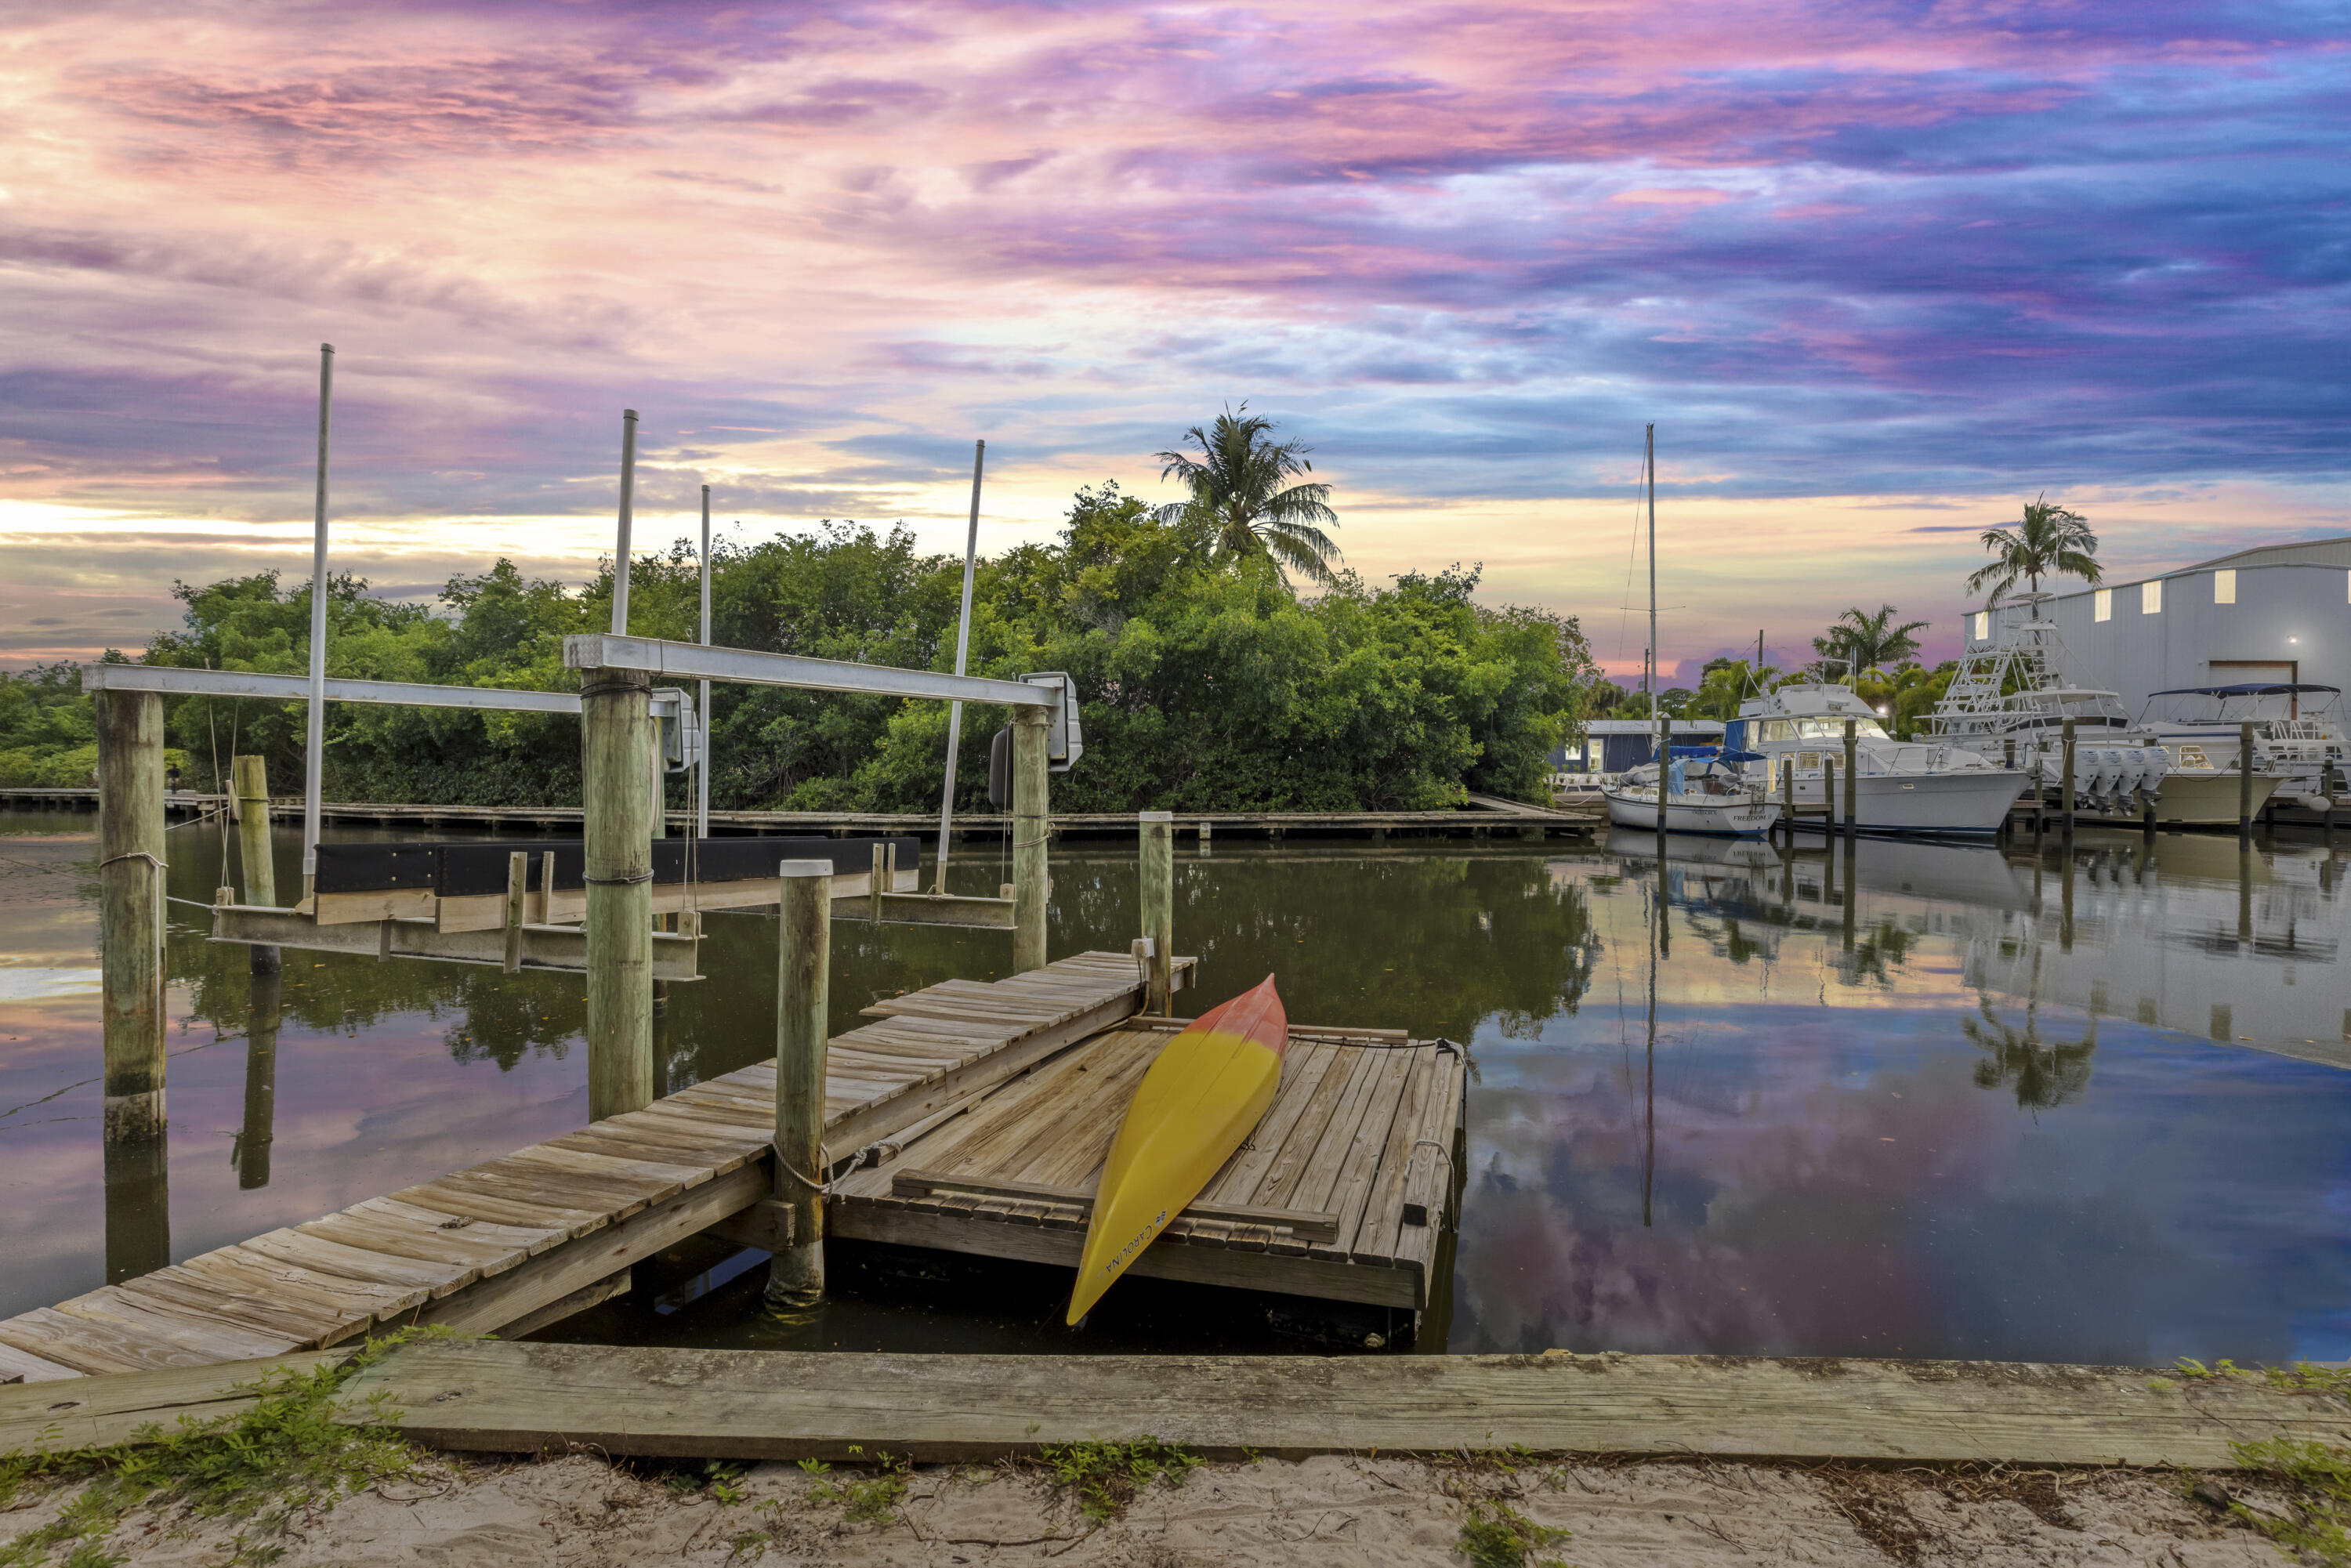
(283, 1453)
(2321, 1478)
(1496, 1535)
(1106, 1476)
(869, 1502)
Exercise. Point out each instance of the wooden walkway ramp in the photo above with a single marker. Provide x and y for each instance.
(1340, 1194)
(534, 1236)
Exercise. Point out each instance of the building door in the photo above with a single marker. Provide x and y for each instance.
(2279, 671)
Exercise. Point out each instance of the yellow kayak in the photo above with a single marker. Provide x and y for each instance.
(1201, 1097)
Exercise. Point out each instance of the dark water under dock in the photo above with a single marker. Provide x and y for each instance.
(1958, 1103)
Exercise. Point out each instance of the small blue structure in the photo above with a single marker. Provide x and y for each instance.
(1613, 745)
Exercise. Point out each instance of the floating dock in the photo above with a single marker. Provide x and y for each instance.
(1341, 1193)
(520, 1241)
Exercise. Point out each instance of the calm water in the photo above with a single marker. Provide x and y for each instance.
(1951, 1101)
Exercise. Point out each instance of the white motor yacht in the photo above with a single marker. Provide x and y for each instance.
(1713, 794)
(1899, 787)
(2297, 734)
(2011, 700)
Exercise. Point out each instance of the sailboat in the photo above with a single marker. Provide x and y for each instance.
(1705, 789)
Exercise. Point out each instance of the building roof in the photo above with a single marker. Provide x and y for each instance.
(1649, 726)
(2308, 552)
(2334, 552)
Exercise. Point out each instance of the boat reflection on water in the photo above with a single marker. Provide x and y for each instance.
(1927, 1099)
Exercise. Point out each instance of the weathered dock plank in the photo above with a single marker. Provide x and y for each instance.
(515, 1238)
(98, 1412)
(781, 1406)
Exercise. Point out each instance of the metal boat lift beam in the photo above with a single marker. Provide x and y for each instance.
(175, 682)
(692, 661)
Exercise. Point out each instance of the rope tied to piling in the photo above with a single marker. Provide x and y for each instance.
(876, 1152)
(642, 683)
(629, 881)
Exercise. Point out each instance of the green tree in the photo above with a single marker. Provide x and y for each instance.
(2050, 540)
(1862, 641)
(1240, 488)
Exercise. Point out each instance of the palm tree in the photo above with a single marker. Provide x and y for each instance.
(1868, 641)
(2051, 540)
(1239, 487)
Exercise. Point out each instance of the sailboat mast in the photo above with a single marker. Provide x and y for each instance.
(1649, 676)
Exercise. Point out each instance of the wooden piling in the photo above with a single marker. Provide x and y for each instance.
(876, 881)
(1851, 778)
(1155, 866)
(1665, 768)
(803, 960)
(130, 910)
(518, 902)
(2245, 783)
(616, 791)
(1788, 798)
(1031, 826)
(1828, 799)
(249, 787)
(2065, 796)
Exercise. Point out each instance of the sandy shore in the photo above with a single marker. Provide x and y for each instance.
(581, 1512)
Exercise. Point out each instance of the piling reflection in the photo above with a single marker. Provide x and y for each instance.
(138, 1185)
(258, 1131)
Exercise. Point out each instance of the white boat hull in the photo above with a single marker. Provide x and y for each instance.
(1928, 804)
(2191, 800)
(1713, 816)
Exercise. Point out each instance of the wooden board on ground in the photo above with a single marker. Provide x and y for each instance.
(96, 1412)
(770, 1405)
(1330, 1197)
(536, 1234)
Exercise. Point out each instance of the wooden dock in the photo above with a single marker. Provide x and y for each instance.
(1485, 816)
(530, 1238)
(1341, 1194)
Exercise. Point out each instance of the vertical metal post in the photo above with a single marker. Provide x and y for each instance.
(1031, 831)
(249, 781)
(1155, 871)
(253, 1140)
(702, 767)
(314, 744)
(1852, 780)
(1652, 682)
(131, 911)
(614, 720)
(963, 648)
(804, 959)
(628, 521)
(2245, 783)
(2065, 798)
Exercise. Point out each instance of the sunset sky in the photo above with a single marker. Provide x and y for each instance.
(1879, 272)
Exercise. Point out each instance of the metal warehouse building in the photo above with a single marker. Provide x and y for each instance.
(2280, 613)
